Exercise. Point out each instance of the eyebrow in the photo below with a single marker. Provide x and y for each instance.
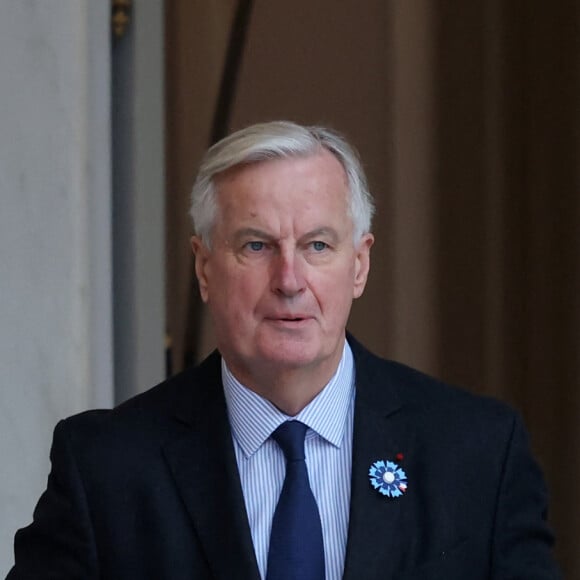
(257, 233)
(253, 233)
(324, 232)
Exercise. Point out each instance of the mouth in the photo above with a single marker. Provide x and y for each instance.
(289, 320)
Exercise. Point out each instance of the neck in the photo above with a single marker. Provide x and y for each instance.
(289, 389)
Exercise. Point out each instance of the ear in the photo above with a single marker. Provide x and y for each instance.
(362, 264)
(202, 254)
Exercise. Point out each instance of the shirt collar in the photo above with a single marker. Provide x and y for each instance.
(253, 418)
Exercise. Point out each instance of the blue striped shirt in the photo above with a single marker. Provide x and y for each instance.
(328, 451)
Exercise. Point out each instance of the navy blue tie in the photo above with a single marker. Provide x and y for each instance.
(296, 548)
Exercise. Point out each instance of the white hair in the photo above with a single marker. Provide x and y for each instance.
(275, 140)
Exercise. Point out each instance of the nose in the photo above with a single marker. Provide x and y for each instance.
(287, 274)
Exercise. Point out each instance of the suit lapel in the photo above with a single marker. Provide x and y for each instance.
(375, 539)
(203, 464)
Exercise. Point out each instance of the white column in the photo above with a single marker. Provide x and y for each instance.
(55, 241)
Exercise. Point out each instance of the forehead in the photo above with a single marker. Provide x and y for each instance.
(284, 198)
(319, 174)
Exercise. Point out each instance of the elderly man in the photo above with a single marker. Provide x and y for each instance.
(291, 452)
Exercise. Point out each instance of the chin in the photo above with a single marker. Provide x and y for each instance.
(290, 354)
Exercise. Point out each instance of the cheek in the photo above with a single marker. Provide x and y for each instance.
(236, 293)
(335, 292)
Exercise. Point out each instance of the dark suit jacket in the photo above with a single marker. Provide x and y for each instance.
(151, 488)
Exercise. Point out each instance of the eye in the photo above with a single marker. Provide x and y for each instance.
(255, 246)
(318, 246)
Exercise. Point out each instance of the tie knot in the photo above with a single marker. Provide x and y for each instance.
(290, 437)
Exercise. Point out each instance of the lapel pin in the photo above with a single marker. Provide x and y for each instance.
(388, 478)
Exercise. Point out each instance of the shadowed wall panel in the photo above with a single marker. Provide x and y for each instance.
(197, 34)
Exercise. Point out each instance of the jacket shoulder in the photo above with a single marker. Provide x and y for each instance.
(154, 412)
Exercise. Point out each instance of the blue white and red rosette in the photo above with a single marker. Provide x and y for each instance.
(388, 478)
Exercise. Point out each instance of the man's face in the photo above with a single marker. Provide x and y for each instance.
(283, 269)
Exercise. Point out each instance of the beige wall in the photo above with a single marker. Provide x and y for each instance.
(55, 249)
